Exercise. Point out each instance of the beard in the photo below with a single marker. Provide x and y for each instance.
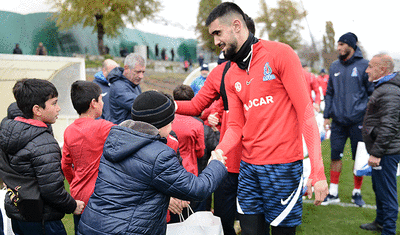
(345, 55)
(231, 51)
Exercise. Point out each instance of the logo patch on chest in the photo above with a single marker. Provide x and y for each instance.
(354, 73)
(238, 86)
(268, 76)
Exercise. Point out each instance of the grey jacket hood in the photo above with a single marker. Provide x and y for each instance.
(127, 138)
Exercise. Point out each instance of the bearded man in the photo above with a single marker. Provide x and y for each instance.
(345, 104)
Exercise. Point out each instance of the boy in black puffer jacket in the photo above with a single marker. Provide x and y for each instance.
(30, 163)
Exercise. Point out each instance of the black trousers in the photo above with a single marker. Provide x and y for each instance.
(225, 202)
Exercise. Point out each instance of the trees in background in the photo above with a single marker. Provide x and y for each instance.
(106, 17)
(205, 8)
(329, 53)
(283, 23)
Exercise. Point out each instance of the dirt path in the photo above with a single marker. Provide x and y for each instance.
(165, 82)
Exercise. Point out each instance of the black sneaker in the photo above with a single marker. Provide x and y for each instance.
(374, 226)
(357, 199)
(330, 199)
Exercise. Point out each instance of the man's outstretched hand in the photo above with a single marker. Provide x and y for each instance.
(217, 154)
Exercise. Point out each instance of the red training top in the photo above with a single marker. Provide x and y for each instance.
(204, 98)
(83, 146)
(173, 143)
(270, 109)
(190, 133)
(312, 85)
(323, 82)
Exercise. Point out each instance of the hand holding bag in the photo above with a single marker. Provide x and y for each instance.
(361, 166)
(198, 223)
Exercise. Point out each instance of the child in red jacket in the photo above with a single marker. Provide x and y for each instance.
(83, 141)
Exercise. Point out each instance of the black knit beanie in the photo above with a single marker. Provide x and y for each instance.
(350, 39)
(154, 108)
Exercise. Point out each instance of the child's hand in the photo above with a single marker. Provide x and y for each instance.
(213, 119)
(217, 155)
(79, 207)
(176, 206)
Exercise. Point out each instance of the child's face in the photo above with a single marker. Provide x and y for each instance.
(49, 114)
(165, 130)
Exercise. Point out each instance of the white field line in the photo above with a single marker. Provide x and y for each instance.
(343, 204)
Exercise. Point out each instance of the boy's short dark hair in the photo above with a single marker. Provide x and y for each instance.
(183, 92)
(222, 10)
(31, 92)
(82, 94)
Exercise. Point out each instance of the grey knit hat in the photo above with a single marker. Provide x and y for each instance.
(154, 108)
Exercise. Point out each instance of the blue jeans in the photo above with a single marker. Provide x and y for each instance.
(384, 183)
(55, 227)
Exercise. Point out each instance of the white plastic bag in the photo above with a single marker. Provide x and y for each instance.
(361, 166)
(6, 221)
(198, 223)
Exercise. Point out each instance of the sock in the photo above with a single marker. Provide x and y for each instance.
(335, 177)
(358, 182)
(356, 191)
(333, 189)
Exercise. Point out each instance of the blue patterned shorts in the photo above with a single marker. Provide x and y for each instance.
(272, 190)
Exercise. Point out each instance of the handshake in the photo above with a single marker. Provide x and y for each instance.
(217, 155)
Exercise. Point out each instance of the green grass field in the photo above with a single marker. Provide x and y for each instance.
(337, 219)
(326, 220)
(321, 220)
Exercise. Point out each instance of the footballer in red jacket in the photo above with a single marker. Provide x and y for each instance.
(269, 112)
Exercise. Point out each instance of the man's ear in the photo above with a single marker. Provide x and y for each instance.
(37, 110)
(237, 25)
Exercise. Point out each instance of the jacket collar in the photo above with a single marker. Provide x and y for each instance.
(32, 122)
(243, 57)
(118, 74)
(143, 127)
(356, 56)
(385, 79)
(100, 78)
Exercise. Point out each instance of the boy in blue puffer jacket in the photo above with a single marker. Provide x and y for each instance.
(138, 174)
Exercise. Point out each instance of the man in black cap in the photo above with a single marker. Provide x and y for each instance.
(345, 103)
